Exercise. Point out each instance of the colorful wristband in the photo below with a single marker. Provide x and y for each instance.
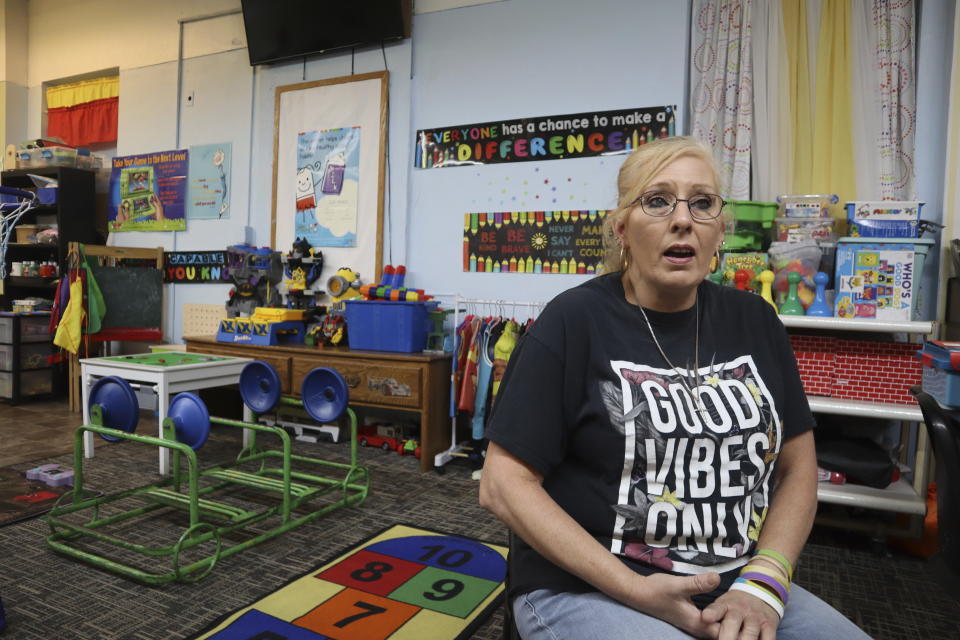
(777, 575)
(771, 565)
(769, 582)
(759, 593)
(779, 557)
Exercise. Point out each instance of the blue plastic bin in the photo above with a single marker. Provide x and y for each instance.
(884, 218)
(941, 371)
(382, 325)
(47, 195)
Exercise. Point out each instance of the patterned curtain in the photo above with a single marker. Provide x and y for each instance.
(84, 113)
(885, 47)
(826, 87)
(721, 81)
(772, 142)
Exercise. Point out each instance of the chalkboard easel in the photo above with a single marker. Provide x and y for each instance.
(133, 296)
(134, 301)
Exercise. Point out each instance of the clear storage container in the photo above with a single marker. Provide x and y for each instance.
(32, 356)
(32, 329)
(32, 383)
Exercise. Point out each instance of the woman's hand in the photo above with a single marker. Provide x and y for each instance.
(155, 201)
(741, 616)
(667, 597)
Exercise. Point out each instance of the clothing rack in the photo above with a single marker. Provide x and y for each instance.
(495, 306)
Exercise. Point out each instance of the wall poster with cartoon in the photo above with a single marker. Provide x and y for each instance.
(328, 176)
(329, 169)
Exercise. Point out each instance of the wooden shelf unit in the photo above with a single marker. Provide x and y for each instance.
(412, 382)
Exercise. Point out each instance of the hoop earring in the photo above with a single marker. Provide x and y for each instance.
(716, 264)
(624, 258)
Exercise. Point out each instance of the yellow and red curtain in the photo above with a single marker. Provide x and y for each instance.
(85, 112)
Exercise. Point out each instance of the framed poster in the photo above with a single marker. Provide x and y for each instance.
(329, 164)
(147, 192)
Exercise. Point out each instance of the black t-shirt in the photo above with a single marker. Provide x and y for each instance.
(589, 401)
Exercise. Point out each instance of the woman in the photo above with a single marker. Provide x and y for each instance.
(651, 441)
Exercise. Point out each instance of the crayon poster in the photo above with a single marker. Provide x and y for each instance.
(208, 195)
(328, 179)
(195, 267)
(545, 138)
(148, 191)
(533, 241)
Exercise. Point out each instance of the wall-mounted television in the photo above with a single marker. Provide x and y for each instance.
(283, 29)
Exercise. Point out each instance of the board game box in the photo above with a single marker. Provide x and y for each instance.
(754, 261)
(875, 280)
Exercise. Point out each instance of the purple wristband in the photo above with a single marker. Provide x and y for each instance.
(767, 581)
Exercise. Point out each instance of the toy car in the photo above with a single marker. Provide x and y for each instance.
(385, 436)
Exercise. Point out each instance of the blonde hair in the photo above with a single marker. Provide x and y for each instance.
(636, 172)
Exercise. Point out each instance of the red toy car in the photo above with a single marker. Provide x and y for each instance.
(385, 436)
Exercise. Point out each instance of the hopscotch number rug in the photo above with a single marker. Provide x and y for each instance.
(404, 583)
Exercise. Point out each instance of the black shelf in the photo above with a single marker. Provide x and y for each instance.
(32, 247)
(74, 215)
(34, 282)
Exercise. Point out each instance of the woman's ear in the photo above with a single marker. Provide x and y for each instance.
(619, 228)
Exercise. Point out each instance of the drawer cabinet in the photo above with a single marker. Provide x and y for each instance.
(370, 381)
(413, 382)
(25, 350)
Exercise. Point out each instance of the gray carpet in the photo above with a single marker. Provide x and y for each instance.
(51, 597)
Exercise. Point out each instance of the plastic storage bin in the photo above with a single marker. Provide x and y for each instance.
(32, 356)
(47, 195)
(55, 157)
(807, 206)
(879, 278)
(32, 329)
(941, 371)
(797, 229)
(884, 218)
(749, 211)
(380, 325)
(31, 383)
(27, 233)
(749, 225)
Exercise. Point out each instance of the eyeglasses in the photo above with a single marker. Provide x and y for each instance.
(660, 204)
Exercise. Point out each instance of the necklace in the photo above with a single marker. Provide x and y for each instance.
(696, 350)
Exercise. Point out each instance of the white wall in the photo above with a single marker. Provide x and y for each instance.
(71, 37)
(13, 47)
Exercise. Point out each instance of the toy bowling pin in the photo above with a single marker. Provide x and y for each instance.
(791, 306)
(819, 306)
(741, 278)
(766, 287)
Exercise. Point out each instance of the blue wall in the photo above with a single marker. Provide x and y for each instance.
(520, 59)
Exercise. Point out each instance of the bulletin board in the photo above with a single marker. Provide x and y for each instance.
(356, 104)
